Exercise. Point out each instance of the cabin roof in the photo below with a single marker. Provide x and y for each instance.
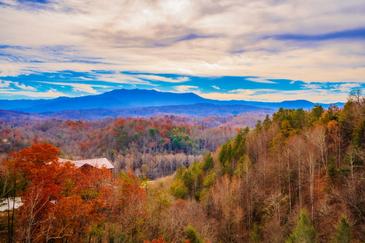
(97, 162)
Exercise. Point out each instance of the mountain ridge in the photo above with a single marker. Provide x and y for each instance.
(137, 98)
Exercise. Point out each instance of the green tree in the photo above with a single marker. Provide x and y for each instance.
(208, 162)
(192, 235)
(358, 135)
(267, 122)
(188, 181)
(258, 126)
(255, 234)
(178, 189)
(304, 231)
(232, 152)
(343, 232)
(285, 128)
(225, 158)
(316, 114)
(180, 139)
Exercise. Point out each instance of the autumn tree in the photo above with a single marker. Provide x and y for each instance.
(50, 193)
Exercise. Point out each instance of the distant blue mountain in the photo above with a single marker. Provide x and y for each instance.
(116, 99)
(138, 98)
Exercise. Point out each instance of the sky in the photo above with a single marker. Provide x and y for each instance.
(265, 50)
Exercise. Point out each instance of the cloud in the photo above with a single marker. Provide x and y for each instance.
(10, 85)
(358, 33)
(24, 87)
(52, 93)
(328, 92)
(78, 87)
(120, 78)
(347, 87)
(70, 83)
(4, 84)
(262, 40)
(260, 80)
(185, 88)
(325, 96)
(161, 78)
(16, 89)
(202, 37)
(85, 88)
(312, 86)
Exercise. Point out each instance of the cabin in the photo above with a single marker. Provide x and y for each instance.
(87, 163)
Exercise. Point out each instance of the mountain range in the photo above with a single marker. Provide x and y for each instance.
(139, 102)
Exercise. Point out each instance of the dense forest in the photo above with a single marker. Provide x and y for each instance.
(150, 147)
(298, 176)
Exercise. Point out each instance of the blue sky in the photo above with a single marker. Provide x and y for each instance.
(265, 50)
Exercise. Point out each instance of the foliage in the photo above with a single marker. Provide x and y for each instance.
(152, 147)
(249, 190)
(179, 190)
(343, 232)
(304, 231)
(192, 236)
(232, 152)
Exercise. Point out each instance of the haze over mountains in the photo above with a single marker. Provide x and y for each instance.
(138, 102)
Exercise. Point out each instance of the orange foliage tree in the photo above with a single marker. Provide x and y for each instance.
(60, 201)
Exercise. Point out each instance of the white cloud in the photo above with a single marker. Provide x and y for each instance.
(10, 88)
(324, 96)
(162, 79)
(312, 86)
(86, 88)
(200, 37)
(185, 88)
(347, 87)
(260, 80)
(4, 84)
(11, 85)
(24, 87)
(78, 87)
(52, 93)
(120, 78)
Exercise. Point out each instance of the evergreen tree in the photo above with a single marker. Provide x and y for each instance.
(267, 122)
(192, 236)
(255, 236)
(208, 162)
(343, 232)
(317, 112)
(304, 231)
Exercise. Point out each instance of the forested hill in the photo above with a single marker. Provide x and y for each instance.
(297, 177)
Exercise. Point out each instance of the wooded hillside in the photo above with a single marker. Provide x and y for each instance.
(298, 176)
